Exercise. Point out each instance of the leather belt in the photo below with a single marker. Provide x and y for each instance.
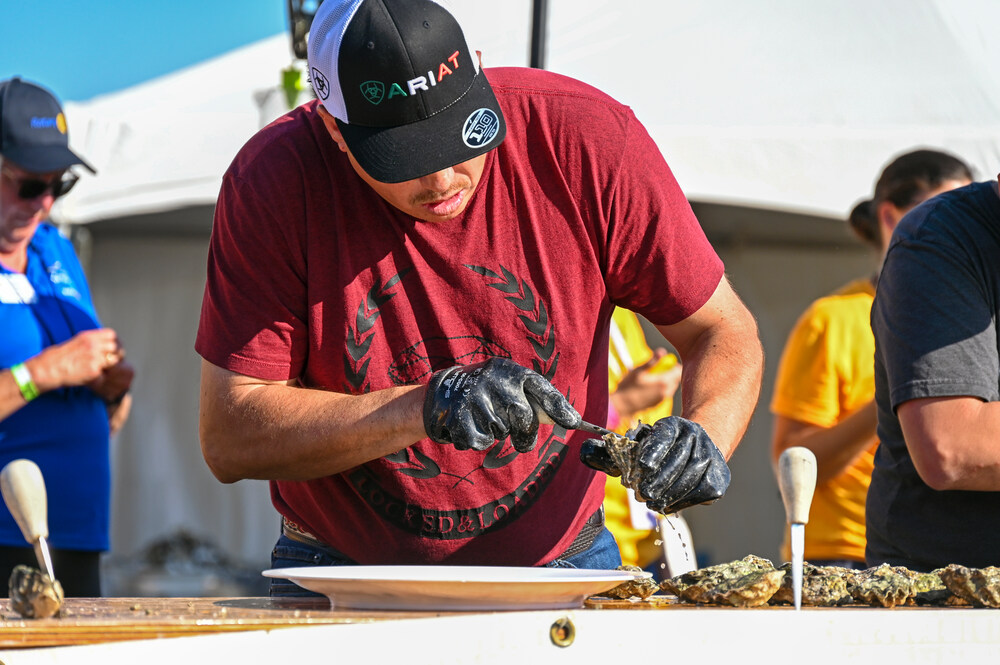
(591, 528)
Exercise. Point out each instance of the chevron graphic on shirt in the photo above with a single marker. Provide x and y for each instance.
(414, 364)
(535, 320)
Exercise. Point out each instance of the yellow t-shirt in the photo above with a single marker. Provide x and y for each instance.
(826, 373)
(629, 349)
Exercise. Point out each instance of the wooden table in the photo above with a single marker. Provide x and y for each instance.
(102, 620)
(250, 630)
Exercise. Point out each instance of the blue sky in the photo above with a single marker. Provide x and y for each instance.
(83, 48)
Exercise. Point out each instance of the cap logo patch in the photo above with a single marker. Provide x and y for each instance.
(373, 91)
(480, 128)
(44, 122)
(320, 84)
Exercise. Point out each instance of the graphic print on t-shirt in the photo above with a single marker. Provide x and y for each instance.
(415, 364)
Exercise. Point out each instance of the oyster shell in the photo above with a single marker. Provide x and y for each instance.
(641, 587)
(978, 586)
(884, 586)
(749, 582)
(822, 586)
(33, 594)
(930, 589)
(624, 452)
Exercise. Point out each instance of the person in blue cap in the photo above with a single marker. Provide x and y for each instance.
(64, 381)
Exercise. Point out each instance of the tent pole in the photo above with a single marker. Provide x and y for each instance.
(539, 28)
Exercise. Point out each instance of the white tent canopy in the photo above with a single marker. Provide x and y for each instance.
(773, 104)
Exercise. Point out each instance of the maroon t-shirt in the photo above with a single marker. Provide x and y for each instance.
(313, 275)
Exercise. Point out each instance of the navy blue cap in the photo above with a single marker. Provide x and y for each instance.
(33, 131)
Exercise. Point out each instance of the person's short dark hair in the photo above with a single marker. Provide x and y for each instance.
(905, 181)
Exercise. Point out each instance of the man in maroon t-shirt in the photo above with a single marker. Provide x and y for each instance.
(389, 260)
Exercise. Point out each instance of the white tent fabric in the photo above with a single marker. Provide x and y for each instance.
(773, 104)
(164, 144)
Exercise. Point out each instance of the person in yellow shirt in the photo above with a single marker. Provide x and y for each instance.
(824, 392)
(641, 385)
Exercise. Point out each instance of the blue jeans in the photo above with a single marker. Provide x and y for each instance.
(602, 554)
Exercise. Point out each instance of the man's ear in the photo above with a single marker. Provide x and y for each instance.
(332, 129)
(888, 216)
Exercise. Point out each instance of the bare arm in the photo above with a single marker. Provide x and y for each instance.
(723, 365)
(84, 359)
(251, 428)
(835, 447)
(953, 441)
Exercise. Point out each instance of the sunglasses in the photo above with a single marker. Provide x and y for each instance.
(32, 188)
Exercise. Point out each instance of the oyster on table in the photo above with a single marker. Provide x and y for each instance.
(822, 586)
(979, 587)
(885, 586)
(33, 594)
(930, 589)
(748, 582)
(640, 587)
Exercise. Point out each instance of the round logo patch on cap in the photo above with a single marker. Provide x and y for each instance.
(320, 84)
(480, 128)
(61, 123)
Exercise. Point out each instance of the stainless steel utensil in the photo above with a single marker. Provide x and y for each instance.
(797, 480)
(24, 493)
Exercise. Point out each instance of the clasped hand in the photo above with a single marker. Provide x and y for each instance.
(678, 464)
(473, 406)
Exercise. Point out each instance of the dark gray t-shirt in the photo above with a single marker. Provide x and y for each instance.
(935, 325)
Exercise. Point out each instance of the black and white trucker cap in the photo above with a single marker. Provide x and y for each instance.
(406, 90)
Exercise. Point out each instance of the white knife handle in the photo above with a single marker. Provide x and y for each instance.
(797, 481)
(24, 493)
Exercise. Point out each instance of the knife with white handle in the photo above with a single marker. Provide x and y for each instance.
(24, 493)
(797, 480)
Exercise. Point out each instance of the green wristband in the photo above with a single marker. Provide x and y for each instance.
(22, 377)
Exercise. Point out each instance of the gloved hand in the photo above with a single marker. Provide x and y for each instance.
(472, 406)
(678, 465)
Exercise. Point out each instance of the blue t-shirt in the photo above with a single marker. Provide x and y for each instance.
(65, 432)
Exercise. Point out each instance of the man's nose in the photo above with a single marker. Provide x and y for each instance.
(43, 201)
(439, 181)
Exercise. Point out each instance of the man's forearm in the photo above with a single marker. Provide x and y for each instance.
(721, 385)
(272, 431)
(723, 366)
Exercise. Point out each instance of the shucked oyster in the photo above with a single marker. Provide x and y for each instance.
(33, 594)
(749, 582)
(978, 586)
(641, 587)
(822, 586)
(883, 585)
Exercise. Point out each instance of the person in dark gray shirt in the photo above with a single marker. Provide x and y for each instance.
(935, 492)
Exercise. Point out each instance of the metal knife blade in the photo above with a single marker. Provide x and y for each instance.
(544, 419)
(797, 535)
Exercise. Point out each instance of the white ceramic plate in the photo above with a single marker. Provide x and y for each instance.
(453, 587)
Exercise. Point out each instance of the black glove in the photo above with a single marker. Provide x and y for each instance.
(472, 406)
(678, 465)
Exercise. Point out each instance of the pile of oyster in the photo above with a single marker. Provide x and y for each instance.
(754, 581)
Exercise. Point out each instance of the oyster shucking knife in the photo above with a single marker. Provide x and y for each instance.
(24, 493)
(797, 480)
